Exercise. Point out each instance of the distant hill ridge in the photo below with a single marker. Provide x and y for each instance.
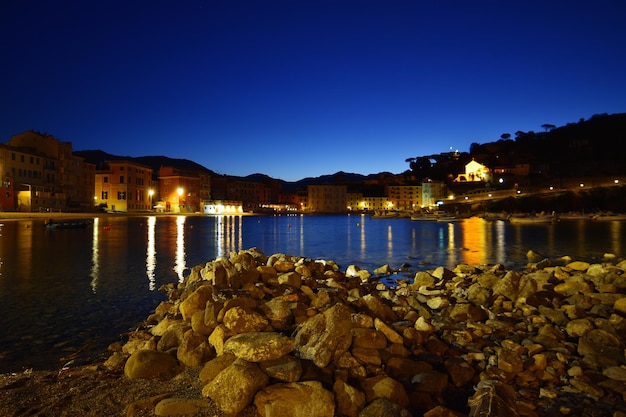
(575, 147)
(99, 158)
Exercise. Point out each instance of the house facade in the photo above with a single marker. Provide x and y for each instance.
(40, 173)
(124, 186)
(327, 198)
(475, 172)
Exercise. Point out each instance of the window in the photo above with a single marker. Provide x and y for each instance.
(105, 195)
(105, 179)
(121, 195)
(121, 179)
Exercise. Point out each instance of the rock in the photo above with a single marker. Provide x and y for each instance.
(259, 346)
(322, 337)
(196, 301)
(527, 342)
(216, 365)
(286, 368)
(601, 348)
(383, 386)
(382, 407)
(234, 388)
(620, 305)
(514, 286)
(179, 406)
(151, 364)
(296, 399)
(350, 401)
(383, 270)
(244, 320)
(194, 349)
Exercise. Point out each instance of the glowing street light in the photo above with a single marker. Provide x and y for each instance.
(180, 194)
(151, 194)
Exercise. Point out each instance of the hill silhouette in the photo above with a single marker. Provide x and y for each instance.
(590, 147)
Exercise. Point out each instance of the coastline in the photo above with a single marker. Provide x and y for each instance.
(14, 216)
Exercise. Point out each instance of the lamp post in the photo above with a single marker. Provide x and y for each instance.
(151, 193)
(180, 194)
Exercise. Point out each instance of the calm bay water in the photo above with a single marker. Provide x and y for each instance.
(67, 294)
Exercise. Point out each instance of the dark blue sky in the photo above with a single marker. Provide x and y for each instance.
(304, 88)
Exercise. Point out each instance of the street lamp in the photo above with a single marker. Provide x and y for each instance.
(151, 193)
(180, 194)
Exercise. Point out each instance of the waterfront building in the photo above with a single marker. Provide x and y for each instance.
(179, 190)
(377, 203)
(355, 201)
(327, 198)
(433, 193)
(40, 173)
(404, 197)
(222, 207)
(124, 186)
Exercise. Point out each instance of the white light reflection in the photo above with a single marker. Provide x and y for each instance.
(389, 242)
(228, 235)
(95, 256)
(452, 255)
(301, 234)
(363, 245)
(501, 244)
(151, 253)
(180, 266)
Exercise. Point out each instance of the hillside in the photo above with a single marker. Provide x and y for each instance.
(574, 149)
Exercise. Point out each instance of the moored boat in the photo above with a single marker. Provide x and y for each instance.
(534, 219)
(608, 217)
(67, 224)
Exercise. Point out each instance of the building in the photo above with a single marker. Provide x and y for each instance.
(475, 172)
(433, 193)
(222, 207)
(377, 203)
(179, 190)
(124, 186)
(404, 197)
(327, 198)
(355, 201)
(40, 173)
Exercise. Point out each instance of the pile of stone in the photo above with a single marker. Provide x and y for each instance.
(292, 336)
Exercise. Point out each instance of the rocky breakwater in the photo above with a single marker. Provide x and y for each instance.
(291, 336)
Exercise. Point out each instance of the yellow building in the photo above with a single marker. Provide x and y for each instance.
(327, 198)
(44, 175)
(124, 186)
(404, 197)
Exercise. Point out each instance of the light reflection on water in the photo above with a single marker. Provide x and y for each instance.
(179, 266)
(62, 291)
(150, 253)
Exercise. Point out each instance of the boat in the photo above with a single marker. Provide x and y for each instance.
(67, 224)
(534, 218)
(449, 219)
(385, 215)
(492, 217)
(575, 216)
(608, 217)
(422, 217)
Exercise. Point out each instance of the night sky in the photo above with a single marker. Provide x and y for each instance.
(301, 88)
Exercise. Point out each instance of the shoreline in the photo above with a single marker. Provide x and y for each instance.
(16, 216)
